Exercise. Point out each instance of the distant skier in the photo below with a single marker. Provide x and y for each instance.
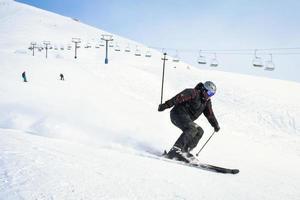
(24, 76)
(62, 77)
(188, 106)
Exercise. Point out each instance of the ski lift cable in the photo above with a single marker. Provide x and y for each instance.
(236, 51)
(204, 50)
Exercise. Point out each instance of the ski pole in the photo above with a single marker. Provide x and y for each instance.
(163, 78)
(205, 143)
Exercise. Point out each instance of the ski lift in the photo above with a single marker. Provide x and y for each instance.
(62, 48)
(117, 47)
(111, 45)
(97, 46)
(257, 61)
(69, 47)
(176, 57)
(101, 43)
(127, 49)
(214, 62)
(201, 59)
(269, 64)
(148, 54)
(137, 52)
(55, 47)
(87, 46)
(40, 49)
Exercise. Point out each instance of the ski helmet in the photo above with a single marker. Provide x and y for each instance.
(210, 88)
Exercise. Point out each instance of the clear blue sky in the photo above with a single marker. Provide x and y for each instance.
(197, 24)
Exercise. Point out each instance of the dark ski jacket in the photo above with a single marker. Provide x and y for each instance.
(193, 102)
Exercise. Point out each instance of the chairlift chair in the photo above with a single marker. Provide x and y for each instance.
(148, 54)
(270, 65)
(176, 57)
(87, 46)
(201, 59)
(214, 62)
(257, 61)
(176, 60)
(127, 49)
(137, 52)
(101, 43)
(117, 48)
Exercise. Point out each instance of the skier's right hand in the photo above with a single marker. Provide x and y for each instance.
(162, 107)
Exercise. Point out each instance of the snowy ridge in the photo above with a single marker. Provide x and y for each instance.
(90, 136)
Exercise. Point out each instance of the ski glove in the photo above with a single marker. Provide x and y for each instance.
(162, 107)
(217, 128)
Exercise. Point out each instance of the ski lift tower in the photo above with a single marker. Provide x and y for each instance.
(76, 41)
(46, 43)
(163, 76)
(33, 44)
(106, 38)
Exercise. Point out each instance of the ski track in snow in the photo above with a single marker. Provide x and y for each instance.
(93, 173)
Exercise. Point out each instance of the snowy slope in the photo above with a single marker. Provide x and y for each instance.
(92, 136)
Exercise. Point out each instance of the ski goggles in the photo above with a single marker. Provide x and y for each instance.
(210, 93)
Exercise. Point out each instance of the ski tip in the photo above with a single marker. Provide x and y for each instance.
(235, 171)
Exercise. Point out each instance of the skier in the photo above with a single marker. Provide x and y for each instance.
(188, 106)
(62, 77)
(24, 76)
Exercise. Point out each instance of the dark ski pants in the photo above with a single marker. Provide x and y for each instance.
(191, 132)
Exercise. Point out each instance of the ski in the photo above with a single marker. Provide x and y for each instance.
(197, 164)
(214, 168)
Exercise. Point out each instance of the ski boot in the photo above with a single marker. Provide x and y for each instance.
(176, 153)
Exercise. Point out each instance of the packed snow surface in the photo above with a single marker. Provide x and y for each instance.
(97, 134)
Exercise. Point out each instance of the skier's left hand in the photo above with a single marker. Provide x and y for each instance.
(217, 128)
